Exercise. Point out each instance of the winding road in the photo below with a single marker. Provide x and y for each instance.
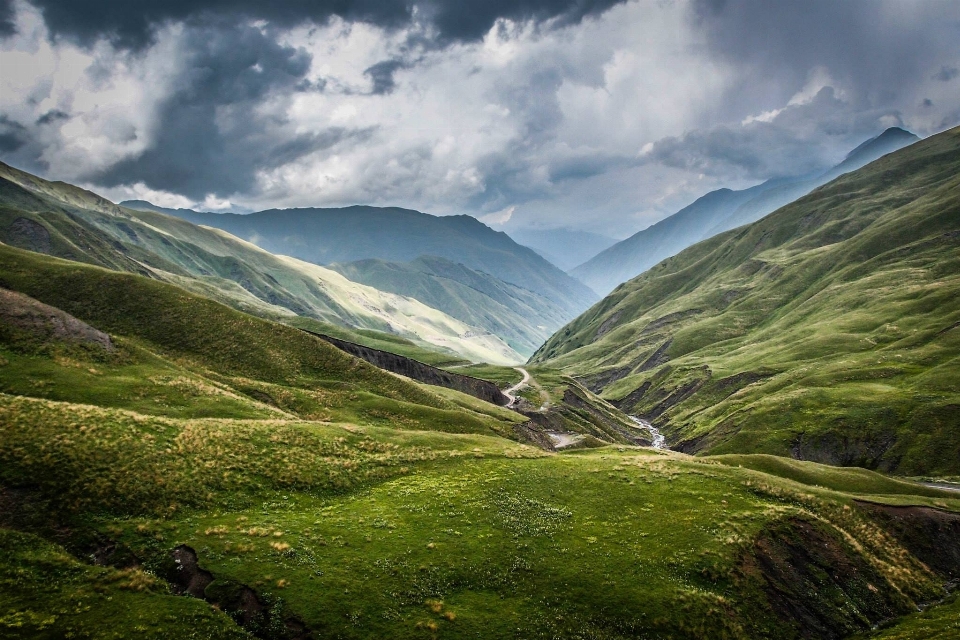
(512, 391)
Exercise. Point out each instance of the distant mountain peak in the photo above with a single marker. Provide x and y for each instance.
(890, 137)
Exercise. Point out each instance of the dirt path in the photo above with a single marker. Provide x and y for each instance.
(512, 391)
(530, 381)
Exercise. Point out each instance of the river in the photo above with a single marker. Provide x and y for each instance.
(659, 441)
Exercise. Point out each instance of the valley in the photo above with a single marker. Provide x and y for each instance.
(201, 438)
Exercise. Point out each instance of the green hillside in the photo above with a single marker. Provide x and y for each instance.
(826, 331)
(522, 318)
(327, 236)
(62, 220)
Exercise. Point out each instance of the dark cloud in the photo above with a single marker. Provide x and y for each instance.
(382, 75)
(130, 23)
(877, 51)
(586, 165)
(7, 27)
(946, 74)
(13, 135)
(52, 116)
(211, 137)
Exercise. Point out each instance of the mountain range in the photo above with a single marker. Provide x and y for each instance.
(167, 430)
(327, 236)
(65, 221)
(564, 247)
(720, 211)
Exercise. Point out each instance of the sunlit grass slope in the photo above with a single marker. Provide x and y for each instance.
(826, 331)
(68, 222)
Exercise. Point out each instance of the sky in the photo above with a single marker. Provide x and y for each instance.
(586, 114)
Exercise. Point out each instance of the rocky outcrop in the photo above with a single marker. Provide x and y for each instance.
(26, 314)
(421, 372)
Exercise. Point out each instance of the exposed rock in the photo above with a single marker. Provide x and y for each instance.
(28, 234)
(817, 584)
(411, 368)
(27, 314)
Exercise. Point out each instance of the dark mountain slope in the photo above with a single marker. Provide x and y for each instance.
(326, 236)
(826, 331)
(720, 211)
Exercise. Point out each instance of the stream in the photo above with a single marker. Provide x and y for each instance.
(659, 441)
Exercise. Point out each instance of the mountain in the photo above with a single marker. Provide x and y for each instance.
(523, 319)
(327, 236)
(827, 331)
(720, 211)
(564, 247)
(65, 221)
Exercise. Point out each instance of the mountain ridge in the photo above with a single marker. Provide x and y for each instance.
(75, 224)
(718, 211)
(394, 234)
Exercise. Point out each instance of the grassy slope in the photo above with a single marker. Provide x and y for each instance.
(720, 211)
(937, 623)
(522, 318)
(826, 330)
(372, 532)
(47, 593)
(181, 354)
(68, 222)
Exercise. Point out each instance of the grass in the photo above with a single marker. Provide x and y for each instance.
(361, 505)
(380, 340)
(937, 623)
(825, 331)
(366, 531)
(47, 593)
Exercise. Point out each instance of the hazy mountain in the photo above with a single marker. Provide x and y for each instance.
(68, 222)
(523, 319)
(719, 211)
(326, 236)
(564, 247)
(828, 330)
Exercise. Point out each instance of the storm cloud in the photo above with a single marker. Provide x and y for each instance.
(131, 23)
(600, 115)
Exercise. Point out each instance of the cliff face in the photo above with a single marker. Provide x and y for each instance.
(421, 372)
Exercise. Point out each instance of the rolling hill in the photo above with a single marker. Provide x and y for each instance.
(720, 211)
(327, 236)
(171, 467)
(826, 331)
(63, 220)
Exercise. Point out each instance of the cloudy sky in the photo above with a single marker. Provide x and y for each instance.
(591, 114)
